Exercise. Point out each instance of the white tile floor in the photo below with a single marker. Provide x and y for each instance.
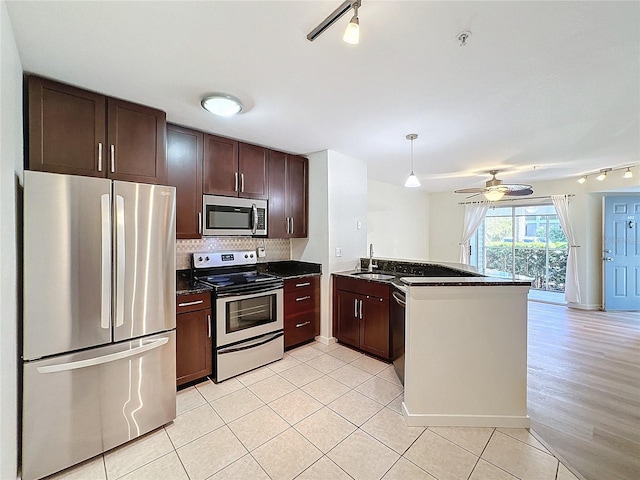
(322, 412)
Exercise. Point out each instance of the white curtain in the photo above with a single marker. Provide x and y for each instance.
(473, 215)
(572, 284)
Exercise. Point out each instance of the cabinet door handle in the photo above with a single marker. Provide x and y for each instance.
(99, 156)
(305, 284)
(291, 226)
(306, 297)
(287, 222)
(298, 325)
(199, 222)
(355, 308)
(236, 187)
(242, 182)
(187, 304)
(209, 324)
(113, 159)
(360, 309)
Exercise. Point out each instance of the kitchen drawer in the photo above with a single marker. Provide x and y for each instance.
(296, 286)
(301, 328)
(192, 302)
(300, 302)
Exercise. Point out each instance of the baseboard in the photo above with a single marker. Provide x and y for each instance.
(326, 340)
(439, 420)
(583, 306)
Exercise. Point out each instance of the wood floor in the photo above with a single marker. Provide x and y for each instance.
(584, 388)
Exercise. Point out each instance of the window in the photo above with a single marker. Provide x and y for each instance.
(522, 242)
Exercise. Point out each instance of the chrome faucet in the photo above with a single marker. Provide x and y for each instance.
(371, 264)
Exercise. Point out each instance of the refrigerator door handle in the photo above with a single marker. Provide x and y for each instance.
(105, 264)
(112, 357)
(120, 260)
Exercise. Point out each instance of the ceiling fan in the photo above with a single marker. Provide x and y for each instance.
(495, 189)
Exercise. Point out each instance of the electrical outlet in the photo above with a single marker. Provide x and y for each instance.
(338, 252)
(261, 252)
(359, 225)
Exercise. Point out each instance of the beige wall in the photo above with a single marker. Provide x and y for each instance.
(11, 156)
(586, 213)
(398, 221)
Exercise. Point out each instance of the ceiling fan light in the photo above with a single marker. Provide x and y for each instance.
(352, 32)
(628, 173)
(582, 179)
(493, 195)
(222, 105)
(412, 181)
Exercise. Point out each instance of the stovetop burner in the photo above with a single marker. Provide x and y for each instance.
(242, 278)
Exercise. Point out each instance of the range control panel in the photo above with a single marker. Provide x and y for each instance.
(223, 259)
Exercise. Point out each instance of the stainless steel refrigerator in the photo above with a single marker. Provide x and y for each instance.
(99, 317)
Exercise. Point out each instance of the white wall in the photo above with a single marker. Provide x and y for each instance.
(398, 221)
(11, 161)
(586, 215)
(337, 201)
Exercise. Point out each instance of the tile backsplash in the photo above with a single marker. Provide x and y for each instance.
(276, 249)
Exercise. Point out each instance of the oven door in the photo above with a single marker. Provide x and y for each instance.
(247, 315)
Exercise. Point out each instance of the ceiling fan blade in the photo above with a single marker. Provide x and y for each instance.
(471, 196)
(518, 193)
(470, 190)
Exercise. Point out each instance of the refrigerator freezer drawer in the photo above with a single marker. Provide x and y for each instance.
(80, 405)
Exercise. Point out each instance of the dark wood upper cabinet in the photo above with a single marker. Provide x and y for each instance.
(67, 131)
(78, 132)
(137, 143)
(184, 171)
(220, 166)
(234, 169)
(288, 195)
(253, 167)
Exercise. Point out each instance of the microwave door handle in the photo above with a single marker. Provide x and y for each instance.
(254, 211)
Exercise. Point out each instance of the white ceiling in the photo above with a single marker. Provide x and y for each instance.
(543, 90)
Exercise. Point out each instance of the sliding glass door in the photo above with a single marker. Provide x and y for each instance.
(523, 243)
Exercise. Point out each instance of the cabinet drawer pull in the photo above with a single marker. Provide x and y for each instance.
(306, 297)
(187, 304)
(305, 284)
(298, 325)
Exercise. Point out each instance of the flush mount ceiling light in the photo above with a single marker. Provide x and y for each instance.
(412, 181)
(222, 104)
(351, 34)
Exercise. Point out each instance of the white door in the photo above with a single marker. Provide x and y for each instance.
(621, 253)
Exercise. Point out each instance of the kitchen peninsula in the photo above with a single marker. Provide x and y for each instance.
(465, 343)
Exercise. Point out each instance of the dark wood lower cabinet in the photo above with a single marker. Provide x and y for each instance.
(193, 337)
(301, 310)
(361, 315)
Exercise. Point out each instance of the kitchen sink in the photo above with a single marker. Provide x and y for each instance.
(375, 276)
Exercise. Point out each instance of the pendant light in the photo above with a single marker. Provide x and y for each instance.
(412, 181)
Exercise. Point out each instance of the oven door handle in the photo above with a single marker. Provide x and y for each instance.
(250, 292)
(252, 344)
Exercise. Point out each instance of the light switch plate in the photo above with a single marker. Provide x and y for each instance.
(338, 252)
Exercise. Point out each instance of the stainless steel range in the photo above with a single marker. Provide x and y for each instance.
(248, 311)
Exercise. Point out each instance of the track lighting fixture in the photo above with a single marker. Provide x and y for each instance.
(412, 180)
(601, 175)
(352, 33)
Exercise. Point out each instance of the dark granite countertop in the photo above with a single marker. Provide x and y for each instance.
(291, 268)
(407, 273)
(186, 286)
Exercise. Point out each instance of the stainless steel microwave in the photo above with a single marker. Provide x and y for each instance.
(225, 216)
